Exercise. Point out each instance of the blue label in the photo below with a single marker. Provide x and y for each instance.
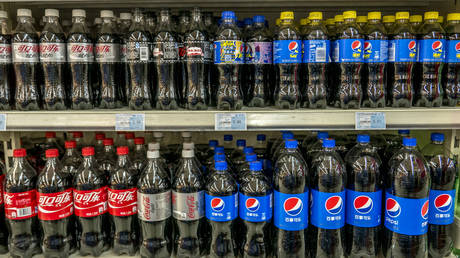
(287, 51)
(221, 208)
(406, 216)
(316, 51)
(334, 51)
(228, 52)
(376, 51)
(432, 50)
(402, 50)
(327, 209)
(291, 211)
(442, 207)
(453, 51)
(256, 209)
(363, 209)
(351, 50)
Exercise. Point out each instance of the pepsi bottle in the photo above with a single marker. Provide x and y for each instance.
(452, 85)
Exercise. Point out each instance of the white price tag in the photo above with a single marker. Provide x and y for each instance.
(130, 122)
(230, 122)
(2, 122)
(370, 121)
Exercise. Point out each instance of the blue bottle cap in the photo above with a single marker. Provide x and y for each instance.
(363, 138)
(248, 150)
(248, 21)
(328, 143)
(403, 131)
(213, 143)
(288, 136)
(228, 15)
(221, 165)
(240, 143)
(259, 19)
(219, 149)
(251, 157)
(409, 141)
(219, 157)
(255, 166)
(437, 137)
(290, 144)
(228, 137)
(261, 137)
(322, 135)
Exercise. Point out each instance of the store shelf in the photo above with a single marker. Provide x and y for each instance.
(257, 119)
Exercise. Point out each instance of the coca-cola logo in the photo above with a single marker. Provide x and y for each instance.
(103, 49)
(5, 49)
(89, 197)
(55, 201)
(191, 204)
(146, 205)
(81, 48)
(28, 48)
(194, 51)
(8, 199)
(121, 197)
(49, 48)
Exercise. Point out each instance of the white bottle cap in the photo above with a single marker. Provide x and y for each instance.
(125, 16)
(157, 134)
(3, 14)
(78, 13)
(97, 20)
(188, 153)
(52, 12)
(154, 146)
(153, 154)
(24, 12)
(186, 134)
(106, 14)
(188, 146)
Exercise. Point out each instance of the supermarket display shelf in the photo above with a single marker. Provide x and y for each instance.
(256, 119)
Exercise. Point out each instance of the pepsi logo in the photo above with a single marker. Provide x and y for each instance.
(217, 204)
(293, 206)
(293, 46)
(367, 46)
(356, 45)
(424, 211)
(363, 204)
(443, 202)
(437, 46)
(412, 45)
(252, 204)
(334, 204)
(457, 47)
(393, 208)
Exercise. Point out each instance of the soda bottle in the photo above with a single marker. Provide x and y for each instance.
(327, 200)
(53, 61)
(211, 29)
(80, 57)
(108, 158)
(183, 25)
(129, 137)
(151, 22)
(402, 54)
(351, 58)
(138, 155)
(452, 84)
(90, 203)
(442, 196)
(388, 23)
(431, 57)
(237, 155)
(99, 145)
(221, 202)
(51, 142)
(229, 59)
(72, 159)
(281, 144)
(334, 54)
(362, 21)
(375, 57)
(6, 69)
(287, 57)
(25, 62)
(107, 54)
(3, 227)
(188, 208)
(315, 147)
(197, 59)
(78, 137)
(55, 207)
(244, 167)
(138, 64)
(363, 200)
(154, 208)
(316, 58)
(290, 185)
(406, 203)
(415, 21)
(125, 22)
(166, 63)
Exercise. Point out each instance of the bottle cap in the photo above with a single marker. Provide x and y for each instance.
(153, 154)
(402, 15)
(247, 150)
(338, 18)
(259, 19)
(52, 12)
(228, 137)
(287, 15)
(188, 153)
(409, 141)
(240, 143)
(219, 149)
(248, 21)
(431, 15)
(100, 136)
(228, 15)
(278, 21)
(157, 134)
(329, 143)
(374, 15)
(453, 17)
(50, 135)
(106, 14)
(303, 21)
(213, 143)
(24, 12)
(219, 157)
(123, 150)
(363, 138)
(440, 19)
(139, 140)
(388, 18)
(255, 166)
(188, 146)
(18, 153)
(154, 146)
(261, 137)
(125, 16)
(437, 137)
(107, 141)
(78, 13)
(315, 16)
(403, 131)
(87, 151)
(349, 15)
(129, 136)
(220, 165)
(415, 18)
(330, 21)
(322, 135)
(70, 144)
(290, 144)
(3, 14)
(51, 153)
(251, 157)
(361, 19)
(77, 134)
(288, 135)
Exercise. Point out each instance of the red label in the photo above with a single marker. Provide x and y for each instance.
(54, 206)
(2, 177)
(20, 205)
(27, 48)
(90, 203)
(123, 202)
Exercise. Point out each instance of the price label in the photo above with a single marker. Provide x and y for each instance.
(370, 121)
(230, 122)
(130, 122)
(2, 122)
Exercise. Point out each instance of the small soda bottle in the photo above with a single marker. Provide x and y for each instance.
(6, 68)
(452, 85)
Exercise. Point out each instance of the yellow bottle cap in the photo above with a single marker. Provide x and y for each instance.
(338, 18)
(303, 21)
(415, 18)
(278, 21)
(374, 15)
(431, 15)
(315, 16)
(349, 15)
(361, 19)
(440, 19)
(287, 16)
(388, 18)
(402, 15)
(453, 17)
(330, 21)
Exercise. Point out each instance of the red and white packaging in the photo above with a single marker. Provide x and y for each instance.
(20, 205)
(90, 203)
(123, 202)
(55, 206)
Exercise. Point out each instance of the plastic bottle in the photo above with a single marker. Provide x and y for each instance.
(125, 22)
(362, 20)
(6, 68)
(3, 226)
(78, 137)
(237, 155)
(129, 138)
(72, 159)
(107, 159)
(244, 168)
(138, 155)
(99, 143)
(452, 85)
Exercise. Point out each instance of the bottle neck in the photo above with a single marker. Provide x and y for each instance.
(138, 23)
(122, 160)
(437, 142)
(402, 21)
(139, 147)
(314, 22)
(108, 148)
(70, 152)
(453, 22)
(409, 147)
(348, 21)
(107, 26)
(5, 30)
(88, 161)
(52, 162)
(165, 21)
(228, 21)
(19, 162)
(286, 22)
(196, 19)
(259, 25)
(78, 25)
(373, 21)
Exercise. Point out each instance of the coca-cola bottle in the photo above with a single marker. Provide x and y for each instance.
(90, 202)
(154, 208)
(78, 137)
(138, 155)
(129, 138)
(182, 27)
(52, 59)
(6, 68)
(25, 62)
(71, 160)
(125, 22)
(52, 143)
(138, 59)
(166, 63)
(21, 207)
(123, 205)
(151, 22)
(108, 62)
(99, 144)
(107, 159)
(3, 228)
(55, 207)
(80, 57)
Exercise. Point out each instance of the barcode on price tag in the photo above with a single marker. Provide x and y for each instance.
(370, 120)
(230, 121)
(2, 122)
(130, 122)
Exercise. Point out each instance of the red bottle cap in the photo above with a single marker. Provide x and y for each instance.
(87, 151)
(107, 141)
(139, 140)
(70, 144)
(129, 136)
(18, 153)
(50, 135)
(123, 150)
(77, 134)
(100, 136)
(52, 153)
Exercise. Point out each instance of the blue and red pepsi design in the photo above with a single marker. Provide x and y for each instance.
(291, 211)
(221, 208)
(363, 209)
(351, 50)
(406, 216)
(256, 208)
(432, 50)
(327, 209)
(287, 51)
(403, 50)
(316, 51)
(376, 51)
(441, 207)
(453, 51)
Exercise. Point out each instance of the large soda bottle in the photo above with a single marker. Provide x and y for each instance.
(431, 57)
(72, 159)
(350, 42)
(221, 202)
(402, 54)
(80, 56)
(154, 208)
(138, 59)
(406, 203)
(107, 52)
(138, 155)
(25, 62)
(188, 208)
(442, 196)
(290, 185)
(122, 200)
(124, 26)
(376, 58)
(452, 85)
(166, 63)
(255, 209)
(229, 59)
(6, 68)
(363, 200)
(90, 202)
(287, 57)
(316, 58)
(53, 61)
(198, 58)
(182, 27)
(3, 227)
(211, 29)
(55, 207)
